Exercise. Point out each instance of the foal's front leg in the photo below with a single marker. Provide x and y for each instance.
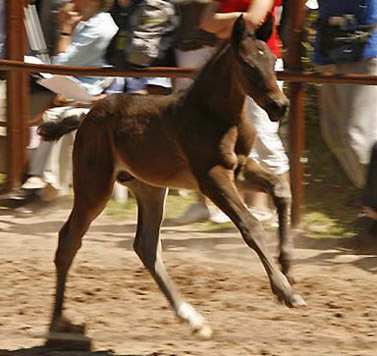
(253, 176)
(218, 184)
(147, 245)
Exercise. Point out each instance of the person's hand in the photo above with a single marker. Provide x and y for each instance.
(98, 97)
(68, 18)
(123, 3)
(252, 21)
(94, 100)
(61, 100)
(369, 212)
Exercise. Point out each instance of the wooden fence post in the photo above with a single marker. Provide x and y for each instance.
(17, 94)
(297, 105)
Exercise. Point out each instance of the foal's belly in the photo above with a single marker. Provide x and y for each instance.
(159, 178)
(159, 167)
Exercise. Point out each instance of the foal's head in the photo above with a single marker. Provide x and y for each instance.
(255, 70)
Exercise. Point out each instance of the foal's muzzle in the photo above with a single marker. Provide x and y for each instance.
(277, 108)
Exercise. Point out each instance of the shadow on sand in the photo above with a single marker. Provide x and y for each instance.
(45, 351)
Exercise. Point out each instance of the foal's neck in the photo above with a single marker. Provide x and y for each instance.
(217, 85)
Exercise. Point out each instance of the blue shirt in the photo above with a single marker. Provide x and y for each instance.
(364, 10)
(88, 47)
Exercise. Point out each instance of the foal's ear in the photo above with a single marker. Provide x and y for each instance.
(264, 31)
(239, 28)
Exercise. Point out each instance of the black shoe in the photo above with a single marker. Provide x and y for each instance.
(19, 197)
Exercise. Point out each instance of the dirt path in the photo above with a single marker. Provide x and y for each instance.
(126, 314)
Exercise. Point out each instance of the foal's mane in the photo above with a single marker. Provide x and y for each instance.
(217, 83)
(224, 47)
(207, 71)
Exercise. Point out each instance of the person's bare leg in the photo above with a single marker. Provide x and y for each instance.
(196, 212)
(261, 201)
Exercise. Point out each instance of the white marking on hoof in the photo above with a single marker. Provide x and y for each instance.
(187, 312)
(298, 301)
(204, 333)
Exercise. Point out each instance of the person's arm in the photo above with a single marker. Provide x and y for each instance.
(90, 42)
(67, 22)
(257, 12)
(218, 23)
(221, 24)
(83, 52)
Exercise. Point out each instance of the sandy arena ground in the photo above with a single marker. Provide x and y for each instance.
(127, 315)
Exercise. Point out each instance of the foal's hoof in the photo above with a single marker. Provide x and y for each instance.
(204, 332)
(295, 301)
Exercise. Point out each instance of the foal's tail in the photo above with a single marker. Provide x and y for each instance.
(53, 130)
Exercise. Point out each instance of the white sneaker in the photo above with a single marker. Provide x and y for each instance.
(196, 212)
(269, 217)
(261, 215)
(34, 183)
(218, 217)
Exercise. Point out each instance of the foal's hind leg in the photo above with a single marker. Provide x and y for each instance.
(147, 245)
(253, 176)
(218, 184)
(93, 189)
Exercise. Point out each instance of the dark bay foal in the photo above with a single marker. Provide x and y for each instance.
(199, 139)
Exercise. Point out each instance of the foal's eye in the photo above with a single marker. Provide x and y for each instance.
(261, 52)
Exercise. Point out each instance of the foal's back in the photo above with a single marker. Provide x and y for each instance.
(143, 133)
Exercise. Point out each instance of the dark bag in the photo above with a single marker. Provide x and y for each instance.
(189, 35)
(342, 39)
(146, 36)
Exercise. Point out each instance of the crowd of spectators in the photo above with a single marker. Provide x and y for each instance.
(78, 32)
(85, 30)
(346, 43)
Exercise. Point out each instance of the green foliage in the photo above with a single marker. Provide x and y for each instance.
(2, 179)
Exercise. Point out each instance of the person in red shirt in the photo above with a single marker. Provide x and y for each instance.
(220, 18)
(268, 149)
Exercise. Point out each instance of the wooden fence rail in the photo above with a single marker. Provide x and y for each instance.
(296, 132)
(287, 75)
(17, 92)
